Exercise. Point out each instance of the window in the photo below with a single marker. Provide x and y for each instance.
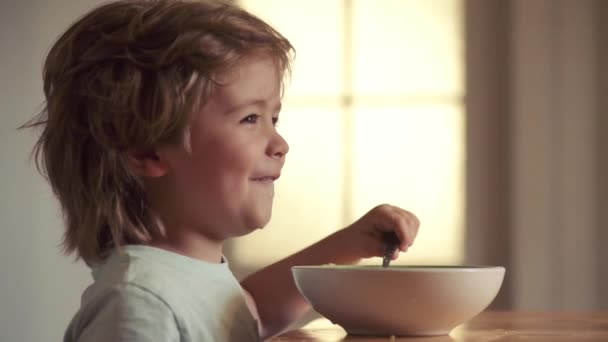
(374, 114)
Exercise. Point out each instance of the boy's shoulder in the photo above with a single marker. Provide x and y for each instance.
(201, 300)
(124, 311)
(160, 272)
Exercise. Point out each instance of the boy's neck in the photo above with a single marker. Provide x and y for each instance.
(197, 247)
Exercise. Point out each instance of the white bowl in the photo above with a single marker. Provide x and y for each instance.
(398, 300)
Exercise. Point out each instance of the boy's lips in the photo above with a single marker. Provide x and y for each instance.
(265, 178)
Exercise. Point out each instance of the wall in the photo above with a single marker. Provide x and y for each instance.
(487, 138)
(602, 151)
(39, 288)
(555, 149)
(536, 149)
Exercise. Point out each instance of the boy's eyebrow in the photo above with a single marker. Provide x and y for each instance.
(258, 102)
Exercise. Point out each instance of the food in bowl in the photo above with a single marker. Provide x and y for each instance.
(399, 300)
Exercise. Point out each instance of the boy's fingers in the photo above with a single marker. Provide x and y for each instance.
(396, 253)
(405, 226)
(411, 226)
(399, 221)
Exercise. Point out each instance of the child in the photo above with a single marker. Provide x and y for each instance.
(159, 140)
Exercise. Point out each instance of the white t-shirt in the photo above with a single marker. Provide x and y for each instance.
(145, 294)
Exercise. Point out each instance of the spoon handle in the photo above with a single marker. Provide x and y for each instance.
(386, 260)
(391, 242)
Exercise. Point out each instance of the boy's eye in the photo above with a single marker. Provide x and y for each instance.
(275, 120)
(251, 119)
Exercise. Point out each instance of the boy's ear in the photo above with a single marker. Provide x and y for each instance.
(147, 164)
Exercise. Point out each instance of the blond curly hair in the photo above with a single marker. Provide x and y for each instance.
(128, 76)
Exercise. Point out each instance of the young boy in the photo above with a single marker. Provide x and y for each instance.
(159, 140)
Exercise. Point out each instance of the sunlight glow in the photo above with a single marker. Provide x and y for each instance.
(407, 47)
(399, 123)
(412, 157)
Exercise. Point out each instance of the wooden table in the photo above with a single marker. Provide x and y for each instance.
(490, 326)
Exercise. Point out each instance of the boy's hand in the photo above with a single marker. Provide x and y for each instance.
(280, 305)
(366, 237)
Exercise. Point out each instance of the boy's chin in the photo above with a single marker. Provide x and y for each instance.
(257, 220)
(258, 224)
(246, 231)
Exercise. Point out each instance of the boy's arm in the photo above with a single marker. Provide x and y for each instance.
(277, 299)
(274, 293)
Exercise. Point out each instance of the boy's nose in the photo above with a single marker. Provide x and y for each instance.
(278, 146)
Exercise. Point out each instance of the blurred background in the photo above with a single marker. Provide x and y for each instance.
(486, 118)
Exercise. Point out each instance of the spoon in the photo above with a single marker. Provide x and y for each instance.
(391, 242)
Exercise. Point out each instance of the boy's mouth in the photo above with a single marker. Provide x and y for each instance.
(270, 178)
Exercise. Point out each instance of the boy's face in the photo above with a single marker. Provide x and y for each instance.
(223, 185)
